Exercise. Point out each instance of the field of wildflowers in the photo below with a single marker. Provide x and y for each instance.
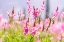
(35, 30)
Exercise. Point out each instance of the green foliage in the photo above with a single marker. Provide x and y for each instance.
(17, 35)
(45, 37)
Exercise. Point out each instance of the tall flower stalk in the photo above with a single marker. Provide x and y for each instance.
(11, 15)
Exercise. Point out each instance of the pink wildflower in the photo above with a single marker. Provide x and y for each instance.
(33, 30)
(56, 13)
(42, 6)
(39, 26)
(46, 22)
(62, 15)
(35, 12)
(29, 10)
(57, 28)
(28, 2)
(10, 15)
(26, 29)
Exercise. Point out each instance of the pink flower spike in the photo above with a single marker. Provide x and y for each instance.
(12, 11)
(29, 10)
(28, 2)
(57, 9)
(11, 15)
(56, 13)
(35, 12)
(43, 2)
(62, 15)
(41, 25)
(46, 22)
(26, 29)
(42, 6)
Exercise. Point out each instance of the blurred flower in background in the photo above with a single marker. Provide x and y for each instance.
(6, 5)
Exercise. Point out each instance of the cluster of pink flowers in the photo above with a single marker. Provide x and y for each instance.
(29, 7)
(57, 29)
(35, 11)
(11, 15)
(33, 27)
